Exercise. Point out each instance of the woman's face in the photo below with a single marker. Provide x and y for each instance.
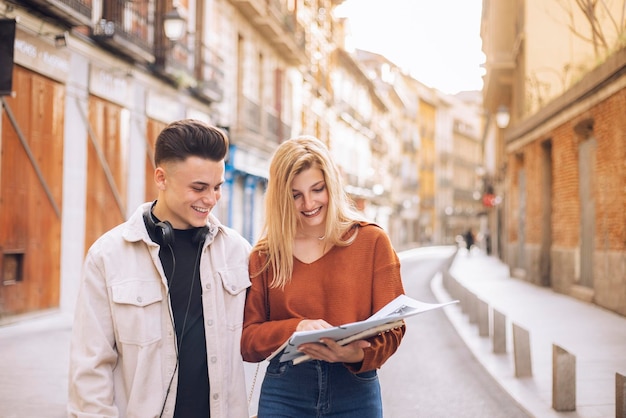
(310, 197)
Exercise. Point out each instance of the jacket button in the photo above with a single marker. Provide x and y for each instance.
(139, 299)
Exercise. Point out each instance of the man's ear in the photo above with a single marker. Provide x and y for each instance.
(159, 178)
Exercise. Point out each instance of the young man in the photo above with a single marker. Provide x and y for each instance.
(160, 309)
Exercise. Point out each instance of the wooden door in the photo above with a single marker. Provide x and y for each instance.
(153, 130)
(107, 166)
(31, 180)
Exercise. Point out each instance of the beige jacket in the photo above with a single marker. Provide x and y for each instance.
(123, 356)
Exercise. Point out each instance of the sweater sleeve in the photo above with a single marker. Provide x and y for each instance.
(262, 336)
(386, 286)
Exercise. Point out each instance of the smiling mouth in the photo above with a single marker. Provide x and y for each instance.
(201, 210)
(313, 212)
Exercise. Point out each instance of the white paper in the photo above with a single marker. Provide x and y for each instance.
(401, 307)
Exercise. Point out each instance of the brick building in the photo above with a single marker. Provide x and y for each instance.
(559, 166)
(567, 194)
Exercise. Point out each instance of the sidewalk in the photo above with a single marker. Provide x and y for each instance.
(595, 336)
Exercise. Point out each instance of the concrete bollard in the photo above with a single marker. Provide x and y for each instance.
(464, 299)
(450, 284)
(563, 380)
(446, 281)
(521, 352)
(482, 309)
(472, 303)
(456, 289)
(499, 332)
(620, 395)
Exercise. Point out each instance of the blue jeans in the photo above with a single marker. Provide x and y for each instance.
(319, 389)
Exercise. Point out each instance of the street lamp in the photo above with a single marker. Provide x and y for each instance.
(174, 25)
(503, 117)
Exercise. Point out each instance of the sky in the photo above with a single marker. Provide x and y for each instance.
(436, 41)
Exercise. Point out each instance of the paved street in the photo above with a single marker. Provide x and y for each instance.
(34, 362)
(442, 368)
(433, 374)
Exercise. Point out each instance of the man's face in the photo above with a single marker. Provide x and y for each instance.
(188, 191)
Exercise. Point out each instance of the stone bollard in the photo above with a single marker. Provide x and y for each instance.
(450, 284)
(446, 281)
(472, 305)
(464, 299)
(499, 332)
(521, 352)
(620, 395)
(482, 309)
(563, 380)
(457, 289)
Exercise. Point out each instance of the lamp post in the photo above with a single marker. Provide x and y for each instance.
(503, 117)
(174, 25)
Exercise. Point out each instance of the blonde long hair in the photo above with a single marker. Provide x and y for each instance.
(281, 220)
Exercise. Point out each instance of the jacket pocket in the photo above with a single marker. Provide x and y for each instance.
(234, 281)
(137, 311)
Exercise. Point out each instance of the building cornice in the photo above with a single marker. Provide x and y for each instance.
(596, 86)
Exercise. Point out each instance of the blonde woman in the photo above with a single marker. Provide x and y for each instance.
(318, 264)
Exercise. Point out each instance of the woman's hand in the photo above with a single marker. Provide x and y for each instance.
(312, 324)
(328, 350)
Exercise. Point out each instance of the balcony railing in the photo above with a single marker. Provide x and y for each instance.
(210, 75)
(278, 24)
(73, 12)
(127, 27)
(192, 65)
(251, 116)
(276, 130)
(273, 125)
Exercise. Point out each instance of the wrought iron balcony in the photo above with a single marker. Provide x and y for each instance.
(210, 75)
(127, 27)
(189, 64)
(71, 12)
(278, 25)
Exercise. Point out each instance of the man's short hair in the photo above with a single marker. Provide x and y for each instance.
(190, 137)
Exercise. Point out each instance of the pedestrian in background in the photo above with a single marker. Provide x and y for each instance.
(469, 239)
(318, 264)
(158, 318)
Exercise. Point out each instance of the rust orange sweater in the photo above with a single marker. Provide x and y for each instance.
(347, 284)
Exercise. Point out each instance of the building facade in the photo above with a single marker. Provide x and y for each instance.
(559, 152)
(93, 83)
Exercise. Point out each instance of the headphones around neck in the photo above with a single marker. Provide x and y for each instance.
(163, 233)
